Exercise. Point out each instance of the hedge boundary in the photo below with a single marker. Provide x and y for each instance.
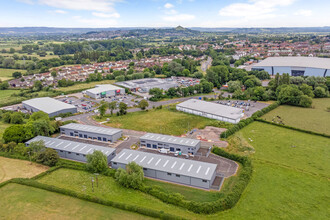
(131, 208)
(243, 123)
(293, 128)
(223, 203)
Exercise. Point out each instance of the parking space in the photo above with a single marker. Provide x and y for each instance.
(83, 104)
(248, 106)
(129, 99)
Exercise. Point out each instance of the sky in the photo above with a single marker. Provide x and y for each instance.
(164, 13)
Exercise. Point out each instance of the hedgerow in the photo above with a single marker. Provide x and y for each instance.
(248, 121)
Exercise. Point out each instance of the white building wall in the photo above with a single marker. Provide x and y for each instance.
(282, 69)
(314, 72)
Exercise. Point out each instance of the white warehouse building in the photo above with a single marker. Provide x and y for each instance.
(103, 91)
(295, 66)
(211, 110)
(48, 105)
(188, 172)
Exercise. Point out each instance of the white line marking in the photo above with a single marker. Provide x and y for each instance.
(158, 162)
(136, 157)
(128, 156)
(165, 163)
(121, 155)
(143, 159)
(181, 166)
(190, 168)
(150, 160)
(207, 171)
(173, 165)
(198, 169)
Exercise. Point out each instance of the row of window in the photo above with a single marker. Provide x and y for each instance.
(154, 146)
(85, 136)
(76, 153)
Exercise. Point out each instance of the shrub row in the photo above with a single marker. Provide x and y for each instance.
(293, 128)
(248, 121)
(226, 202)
(137, 209)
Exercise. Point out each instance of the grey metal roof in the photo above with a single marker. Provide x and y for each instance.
(91, 129)
(72, 146)
(312, 62)
(103, 88)
(170, 139)
(48, 105)
(147, 83)
(212, 108)
(168, 164)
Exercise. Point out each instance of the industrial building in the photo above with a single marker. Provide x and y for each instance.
(211, 110)
(172, 143)
(91, 132)
(48, 105)
(103, 91)
(73, 150)
(295, 66)
(144, 85)
(173, 169)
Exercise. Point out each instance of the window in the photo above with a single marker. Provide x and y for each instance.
(154, 146)
(114, 163)
(177, 175)
(178, 149)
(69, 152)
(71, 133)
(75, 131)
(94, 138)
(142, 141)
(297, 72)
(160, 144)
(84, 155)
(145, 169)
(104, 139)
(99, 138)
(172, 149)
(169, 174)
(61, 151)
(204, 181)
(77, 154)
(149, 145)
(80, 135)
(85, 135)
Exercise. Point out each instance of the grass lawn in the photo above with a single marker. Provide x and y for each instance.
(285, 147)
(13, 168)
(5, 97)
(314, 119)
(281, 193)
(3, 126)
(6, 74)
(23, 202)
(162, 121)
(83, 86)
(189, 193)
(80, 181)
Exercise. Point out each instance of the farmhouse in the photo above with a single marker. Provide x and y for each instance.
(106, 90)
(173, 169)
(91, 132)
(295, 66)
(157, 141)
(48, 105)
(73, 150)
(144, 85)
(211, 110)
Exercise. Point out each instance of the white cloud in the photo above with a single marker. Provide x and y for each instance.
(254, 9)
(304, 12)
(88, 5)
(60, 12)
(30, 2)
(179, 17)
(106, 15)
(168, 5)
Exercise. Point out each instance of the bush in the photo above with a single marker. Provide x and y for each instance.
(96, 162)
(48, 157)
(132, 177)
(320, 92)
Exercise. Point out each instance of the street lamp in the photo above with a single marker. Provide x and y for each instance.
(92, 184)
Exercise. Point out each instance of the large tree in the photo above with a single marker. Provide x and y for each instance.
(96, 162)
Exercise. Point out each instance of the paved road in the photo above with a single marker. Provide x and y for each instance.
(206, 64)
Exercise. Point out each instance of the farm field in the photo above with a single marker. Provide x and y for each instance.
(292, 149)
(189, 193)
(32, 203)
(48, 56)
(5, 97)
(6, 74)
(13, 168)
(3, 126)
(315, 119)
(83, 86)
(162, 121)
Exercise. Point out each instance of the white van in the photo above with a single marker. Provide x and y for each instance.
(163, 151)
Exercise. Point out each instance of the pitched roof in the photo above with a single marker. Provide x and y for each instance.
(48, 105)
(91, 129)
(170, 139)
(312, 62)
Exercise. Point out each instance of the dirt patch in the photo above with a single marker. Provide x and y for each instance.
(209, 133)
(13, 168)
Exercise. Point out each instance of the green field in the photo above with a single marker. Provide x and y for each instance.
(6, 74)
(314, 119)
(83, 86)
(292, 149)
(23, 202)
(162, 121)
(189, 193)
(3, 126)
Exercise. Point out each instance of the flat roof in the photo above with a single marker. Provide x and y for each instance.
(147, 83)
(168, 164)
(72, 146)
(312, 62)
(91, 129)
(103, 88)
(171, 139)
(212, 108)
(48, 105)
